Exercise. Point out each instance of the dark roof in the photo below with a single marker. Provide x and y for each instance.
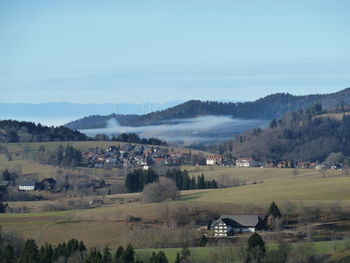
(4, 183)
(49, 180)
(239, 220)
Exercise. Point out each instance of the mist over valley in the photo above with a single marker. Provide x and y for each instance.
(188, 131)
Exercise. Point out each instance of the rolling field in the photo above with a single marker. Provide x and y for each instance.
(263, 185)
(108, 225)
(204, 253)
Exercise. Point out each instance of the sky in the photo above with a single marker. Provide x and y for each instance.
(164, 50)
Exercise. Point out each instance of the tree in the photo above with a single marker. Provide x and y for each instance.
(6, 175)
(274, 211)
(203, 241)
(128, 255)
(137, 179)
(8, 255)
(30, 252)
(159, 191)
(118, 255)
(178, 258)
(107, 256)
(256, 249)
(185, 255)
(160, 257)
(2, 207)
(46, 253)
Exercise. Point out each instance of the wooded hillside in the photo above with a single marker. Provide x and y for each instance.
(269, 107)
(302, 135)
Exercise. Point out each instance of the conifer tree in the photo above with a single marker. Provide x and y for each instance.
(274, 211)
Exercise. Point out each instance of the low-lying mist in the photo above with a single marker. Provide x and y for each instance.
(208, 129)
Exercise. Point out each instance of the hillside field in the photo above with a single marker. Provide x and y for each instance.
(109, 224)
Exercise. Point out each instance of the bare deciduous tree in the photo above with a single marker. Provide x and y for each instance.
(159, 191)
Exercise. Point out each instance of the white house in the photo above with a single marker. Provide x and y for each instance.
(214, 160)
(245, 162)
(27, 186)
(228, 225)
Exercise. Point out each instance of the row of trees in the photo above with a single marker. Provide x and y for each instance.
(185, 182)
(72, 251)
(134, 138)
(22, 131)
(138, 178)
(61, 156)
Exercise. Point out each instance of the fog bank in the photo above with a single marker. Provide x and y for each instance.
(185, 131)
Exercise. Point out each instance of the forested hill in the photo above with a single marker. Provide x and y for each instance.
(309, 135)
(23, 131)
(269, 107)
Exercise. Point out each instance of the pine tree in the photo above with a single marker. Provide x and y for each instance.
(118, 255)
(203, 241)
(256, 249)
(46, 253)
(274, 211)
(128, 255)
(8, 255)
(178, 258)
(30, 252)
(107, 256)
(160, 257)
(6, 175)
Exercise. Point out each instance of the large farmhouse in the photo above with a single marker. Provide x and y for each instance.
(29, 185)
(214, 160)
(228, 225)
(245, 162)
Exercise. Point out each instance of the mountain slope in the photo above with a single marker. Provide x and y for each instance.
(299, 136)
(269, 107)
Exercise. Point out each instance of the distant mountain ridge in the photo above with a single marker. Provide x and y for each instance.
(58, 113)
(267, 108)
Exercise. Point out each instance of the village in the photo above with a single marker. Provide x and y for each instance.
(143, 156)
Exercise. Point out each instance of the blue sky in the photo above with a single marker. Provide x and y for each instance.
(140, 51)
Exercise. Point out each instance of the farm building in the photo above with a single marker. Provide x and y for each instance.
(245, 162)
(214, 160)
(228, 225)
(28, 185)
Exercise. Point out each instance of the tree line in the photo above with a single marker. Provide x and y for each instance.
(22, 131)
(61, 156)
(136, 180)
(72, 251)
(185, 182)
(134, 138)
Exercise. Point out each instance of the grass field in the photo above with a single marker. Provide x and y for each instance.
(203, 253)
(107, 225)
(273, 184)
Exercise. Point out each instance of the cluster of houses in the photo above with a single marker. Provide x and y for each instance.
(131, 156)
(250, 162)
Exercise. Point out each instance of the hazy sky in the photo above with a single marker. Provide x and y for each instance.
(137, 51)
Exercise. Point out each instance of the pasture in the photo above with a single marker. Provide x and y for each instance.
(109, 224)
